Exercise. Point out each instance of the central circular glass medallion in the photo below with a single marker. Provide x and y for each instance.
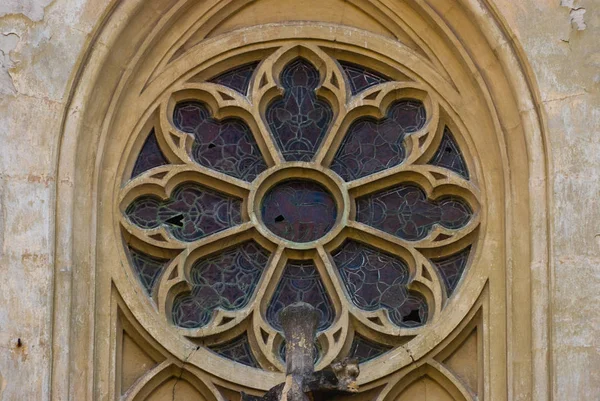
(299, 210)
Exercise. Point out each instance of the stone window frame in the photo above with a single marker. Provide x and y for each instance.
(225, 103)
(508, 95)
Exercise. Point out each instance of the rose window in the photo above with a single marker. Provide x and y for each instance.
(300, 177)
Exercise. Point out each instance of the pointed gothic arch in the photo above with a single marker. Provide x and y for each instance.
(461, 49)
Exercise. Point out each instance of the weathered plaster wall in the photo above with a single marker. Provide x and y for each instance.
(560, 40)
(40, 44)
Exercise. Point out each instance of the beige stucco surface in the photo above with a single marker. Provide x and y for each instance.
(41, 42)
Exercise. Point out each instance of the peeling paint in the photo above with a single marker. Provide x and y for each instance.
(31, 9)
(575, 15)
(577, 20)
(8, 42)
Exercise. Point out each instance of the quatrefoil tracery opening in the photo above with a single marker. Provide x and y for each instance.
(300, 199)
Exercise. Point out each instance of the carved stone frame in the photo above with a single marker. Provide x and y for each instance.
(479, 63)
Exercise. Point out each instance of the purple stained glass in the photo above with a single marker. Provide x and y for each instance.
(376, 280)
(361, 78)
(299, 120)
(192, 212)
(227, 145)
(372, 145)
(364, 350)
(237, 78)
(237, 350)
(405, 211)
(300, 211)
(147, 268)
(449, 156)
(301, 281)
(451, 268)
(225, 280)
(150, 156)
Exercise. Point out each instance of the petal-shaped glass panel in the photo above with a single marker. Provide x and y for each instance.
(225, 280)
(405, 211)
(299, 120)
(150, 156)
(372, 145)
(361, 78)
(376, 280)
(237, 350)
(192, 212)
(237, 78)
(227, 145)
(301, 281)
(448, 155)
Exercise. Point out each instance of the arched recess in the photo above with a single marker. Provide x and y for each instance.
(138, 46)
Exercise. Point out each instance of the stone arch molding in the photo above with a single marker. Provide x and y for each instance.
(107, 337)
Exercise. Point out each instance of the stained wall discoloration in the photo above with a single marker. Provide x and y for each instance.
(564, 54)
(40, 42)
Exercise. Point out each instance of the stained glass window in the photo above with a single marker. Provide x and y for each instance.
(148, 268)
(361, 78)
(406, 212)
(150, 156)
(371, 145)
(237, 350)
(448, 155)
(227, 146)
(192, 212)
(299, 120)
(301, 281)
(364, 350)
(300, 211)
(340, 221)
(237, 79)
(226, 280)
(451, 268)
(376, 280)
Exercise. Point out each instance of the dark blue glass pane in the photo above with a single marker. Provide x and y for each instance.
(361, 78)
(237, 350)
(227, 145)
(373, 145)
(237, 79)
(300, 211)
(376, 280)
(449, 156)
(150, 156)
(192, 212)
(225, 280)
(451, 268)
(147, 268)
(405, 211)
(299, 120)
(364, 350)
(301, 281)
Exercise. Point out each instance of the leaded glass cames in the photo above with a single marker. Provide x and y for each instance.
(300, 178)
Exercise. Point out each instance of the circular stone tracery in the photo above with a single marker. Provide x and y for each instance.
(318, 219)
(299, 210)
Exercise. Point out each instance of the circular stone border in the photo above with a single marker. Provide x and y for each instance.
(302, 171)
